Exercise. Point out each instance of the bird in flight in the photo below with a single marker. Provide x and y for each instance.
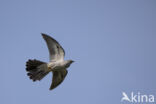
(37, 70)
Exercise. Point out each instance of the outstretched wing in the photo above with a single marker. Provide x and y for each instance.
(58, 77)
(55, 49)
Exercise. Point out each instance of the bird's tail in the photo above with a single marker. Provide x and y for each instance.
(36, 69)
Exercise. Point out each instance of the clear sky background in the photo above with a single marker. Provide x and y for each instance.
(113, 44)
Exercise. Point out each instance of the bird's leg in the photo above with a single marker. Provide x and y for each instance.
(49, 68)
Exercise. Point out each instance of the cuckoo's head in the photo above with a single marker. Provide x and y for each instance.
(68, 63)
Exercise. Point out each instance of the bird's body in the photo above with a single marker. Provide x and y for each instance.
(58, 65)
(37, 69)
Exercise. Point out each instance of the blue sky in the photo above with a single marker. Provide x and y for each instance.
(112, 43)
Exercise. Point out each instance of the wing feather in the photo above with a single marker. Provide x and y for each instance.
(55, 49)
(58, 77)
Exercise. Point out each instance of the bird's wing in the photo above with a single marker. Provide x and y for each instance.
(55, 49)
(58, 77)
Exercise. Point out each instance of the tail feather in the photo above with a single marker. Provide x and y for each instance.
(36, 69)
